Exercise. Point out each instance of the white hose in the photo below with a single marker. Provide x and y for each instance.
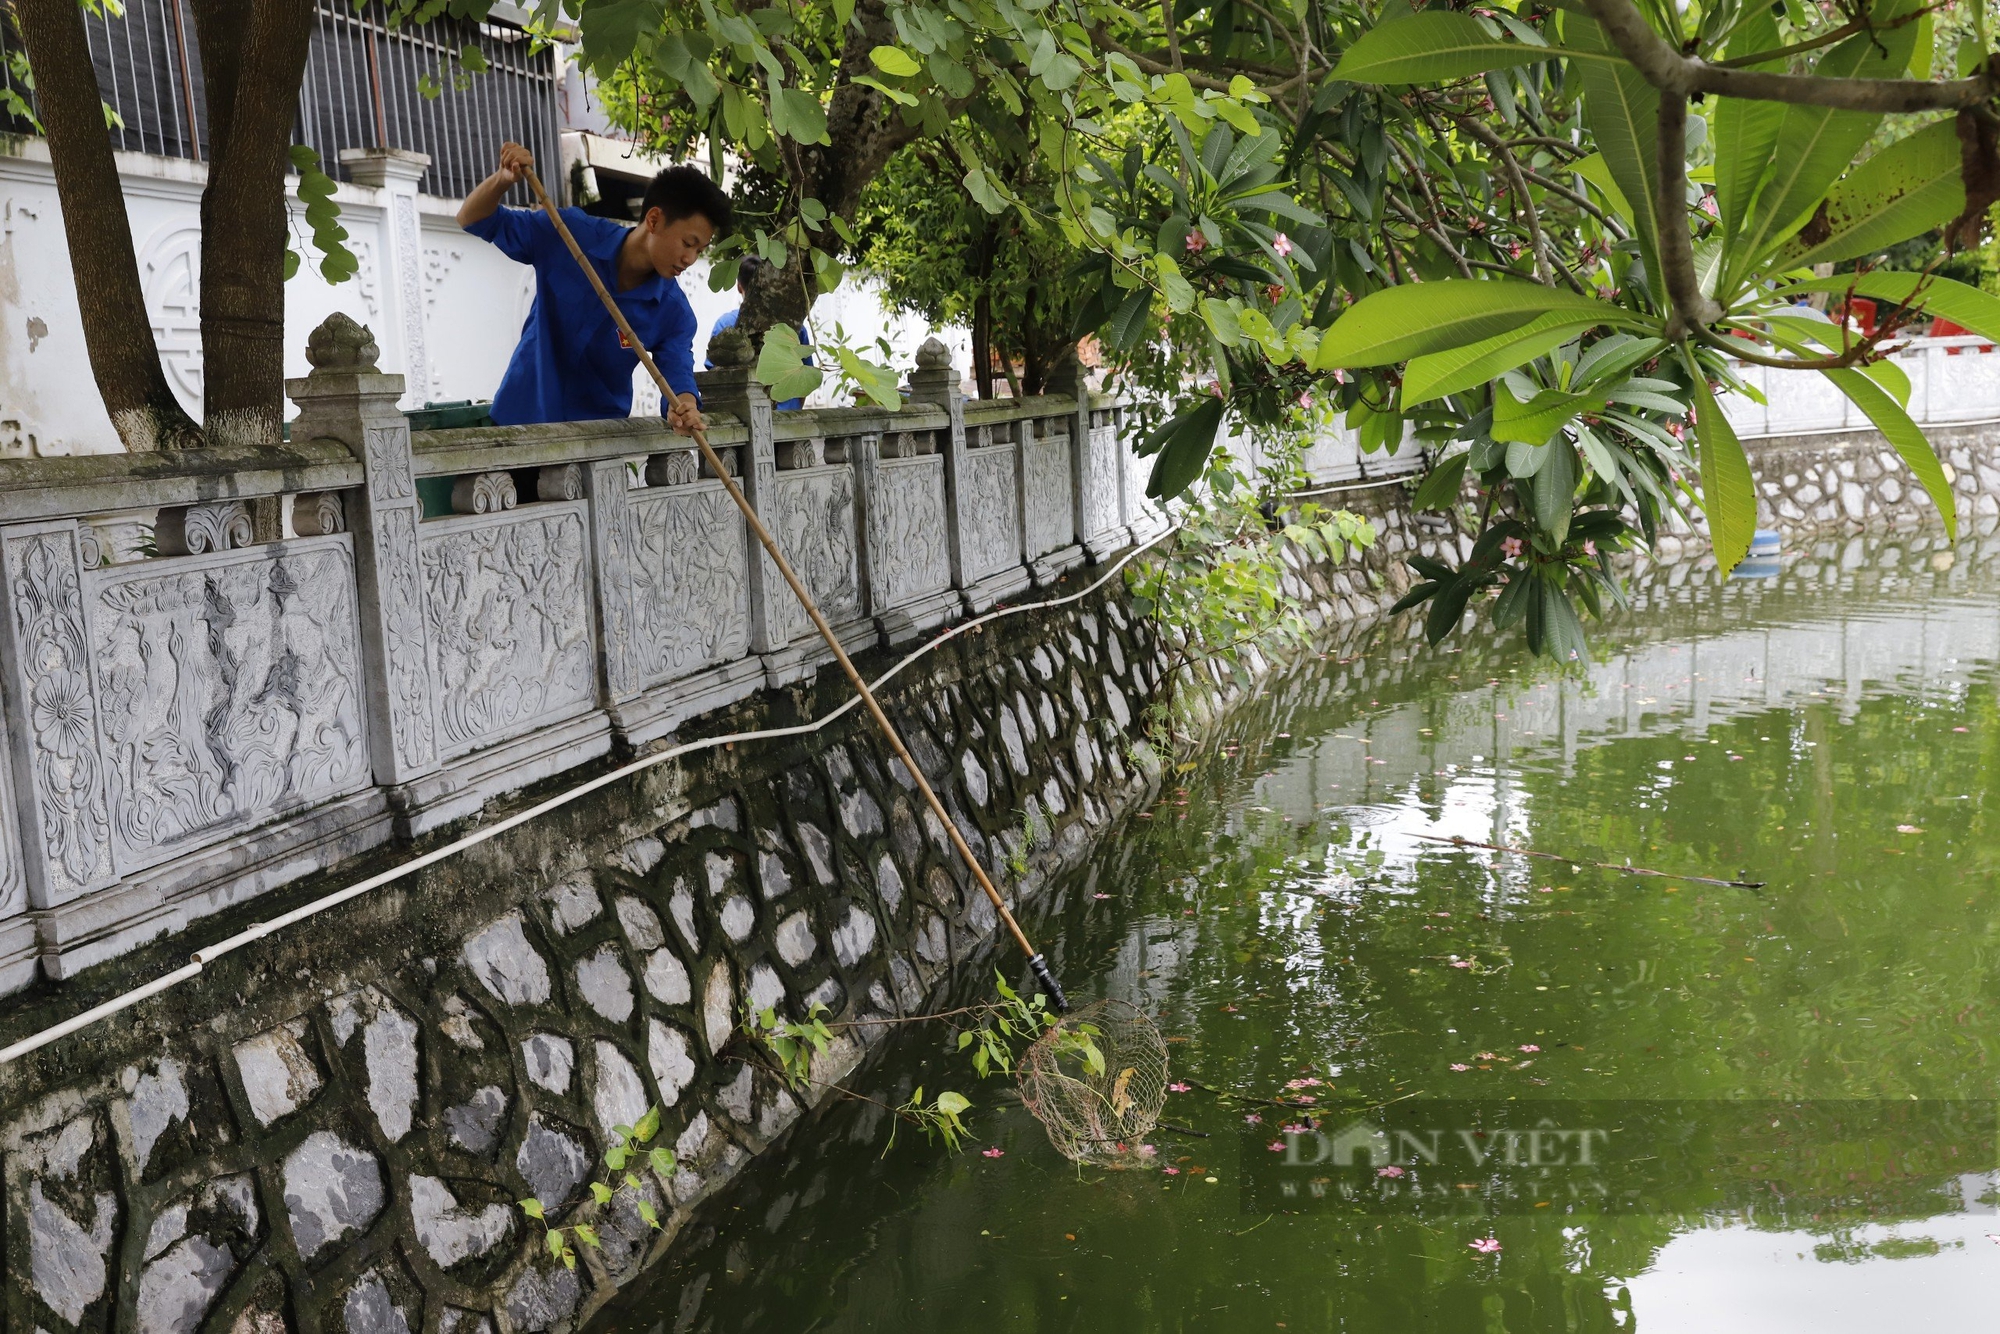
(210, 953)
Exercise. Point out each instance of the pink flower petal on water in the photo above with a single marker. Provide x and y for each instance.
(1277, 1146)
(1461, 963)
(1171, 1171)
(1390, 1171)
(1253, 1119)
(1178, 1087)
(1485, 1245)
(1147, 1151)
(1909, 829)
(1457, 1066)
(992, 1153)
(1529, 1046)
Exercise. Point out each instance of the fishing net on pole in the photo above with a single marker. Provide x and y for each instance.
(1097, 1081)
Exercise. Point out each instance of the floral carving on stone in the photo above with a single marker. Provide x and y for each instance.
(1050, 521)
(60, 709)
(405, 644)
(812, 515)
(389, 463)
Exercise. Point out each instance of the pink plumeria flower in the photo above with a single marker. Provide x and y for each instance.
(1282, 244)
(1253, 1119)
(1530, 1046)
(1460, 1066)
(992, 1153)
(1461, 963)
(1485, 1245)
(1305, 1099)
(1277, 1146)
(1147, 1151)
(1390, 1171)
(1178, 1087)
(1171, 1171)
(1489, 1056)
(1196, 242)
(1510, 547)
(1589, 547)
(1297, 1128)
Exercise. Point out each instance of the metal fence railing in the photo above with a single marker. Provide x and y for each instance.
(363, 88)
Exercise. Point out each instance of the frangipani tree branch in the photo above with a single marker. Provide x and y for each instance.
(1692, 308)
(1683, 76)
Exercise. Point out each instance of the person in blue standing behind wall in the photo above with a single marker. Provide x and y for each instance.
(746, 272)
(573, 363)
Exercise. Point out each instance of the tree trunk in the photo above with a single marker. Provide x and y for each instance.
(862, 139)
(982, 344)
(253, 57)
(124, 358)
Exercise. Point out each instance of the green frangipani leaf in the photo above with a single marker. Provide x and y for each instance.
(1905, 190)
(1902, 432)
(1728, 492)
(1622, 112)
(1534, 421)
(1435, 46)
(1416, 319)
(1963, 305)
(1441, 374)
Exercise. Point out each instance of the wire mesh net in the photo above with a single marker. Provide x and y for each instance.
(1097, 1081)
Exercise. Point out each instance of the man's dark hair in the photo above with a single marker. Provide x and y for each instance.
(682, 192)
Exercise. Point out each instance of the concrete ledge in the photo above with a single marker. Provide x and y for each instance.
(655, 713)
(470, 782)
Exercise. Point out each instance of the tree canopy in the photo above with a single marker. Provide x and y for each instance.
(1536, 237)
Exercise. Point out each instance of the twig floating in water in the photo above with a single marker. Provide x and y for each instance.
(1602, 866)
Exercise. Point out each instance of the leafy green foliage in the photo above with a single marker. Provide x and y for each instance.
(337, 263)
(628, 1143)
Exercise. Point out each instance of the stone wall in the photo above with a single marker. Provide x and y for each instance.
(1849, 481)
(328, 1130)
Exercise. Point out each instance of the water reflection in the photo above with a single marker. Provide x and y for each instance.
(1826, 731)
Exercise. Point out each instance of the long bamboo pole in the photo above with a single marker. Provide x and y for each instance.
(1036, 961)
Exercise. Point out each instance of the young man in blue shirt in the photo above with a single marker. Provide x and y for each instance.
(572, 363)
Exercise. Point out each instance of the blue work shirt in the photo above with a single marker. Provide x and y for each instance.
(727, 320)
(572, 363)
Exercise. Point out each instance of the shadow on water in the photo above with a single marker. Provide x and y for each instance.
(1790, 1086)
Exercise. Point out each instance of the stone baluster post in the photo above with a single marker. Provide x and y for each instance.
(396, 172)
(935, 381)
(733, 387)
(1092, 493)
(347, 399)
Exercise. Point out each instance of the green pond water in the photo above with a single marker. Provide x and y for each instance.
(1783, 1094)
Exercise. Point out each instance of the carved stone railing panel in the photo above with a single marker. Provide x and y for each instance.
(52, 707)
(988, 511)
(230, 691)
(1103, 501)
(811, 513)
(690, 596)
(1047, 507)
(908, 557)
(507, 611)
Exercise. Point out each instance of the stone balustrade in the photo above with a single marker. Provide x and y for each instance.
(224, 671)
(1952, 381)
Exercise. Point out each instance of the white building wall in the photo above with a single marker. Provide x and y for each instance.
(474, 301)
